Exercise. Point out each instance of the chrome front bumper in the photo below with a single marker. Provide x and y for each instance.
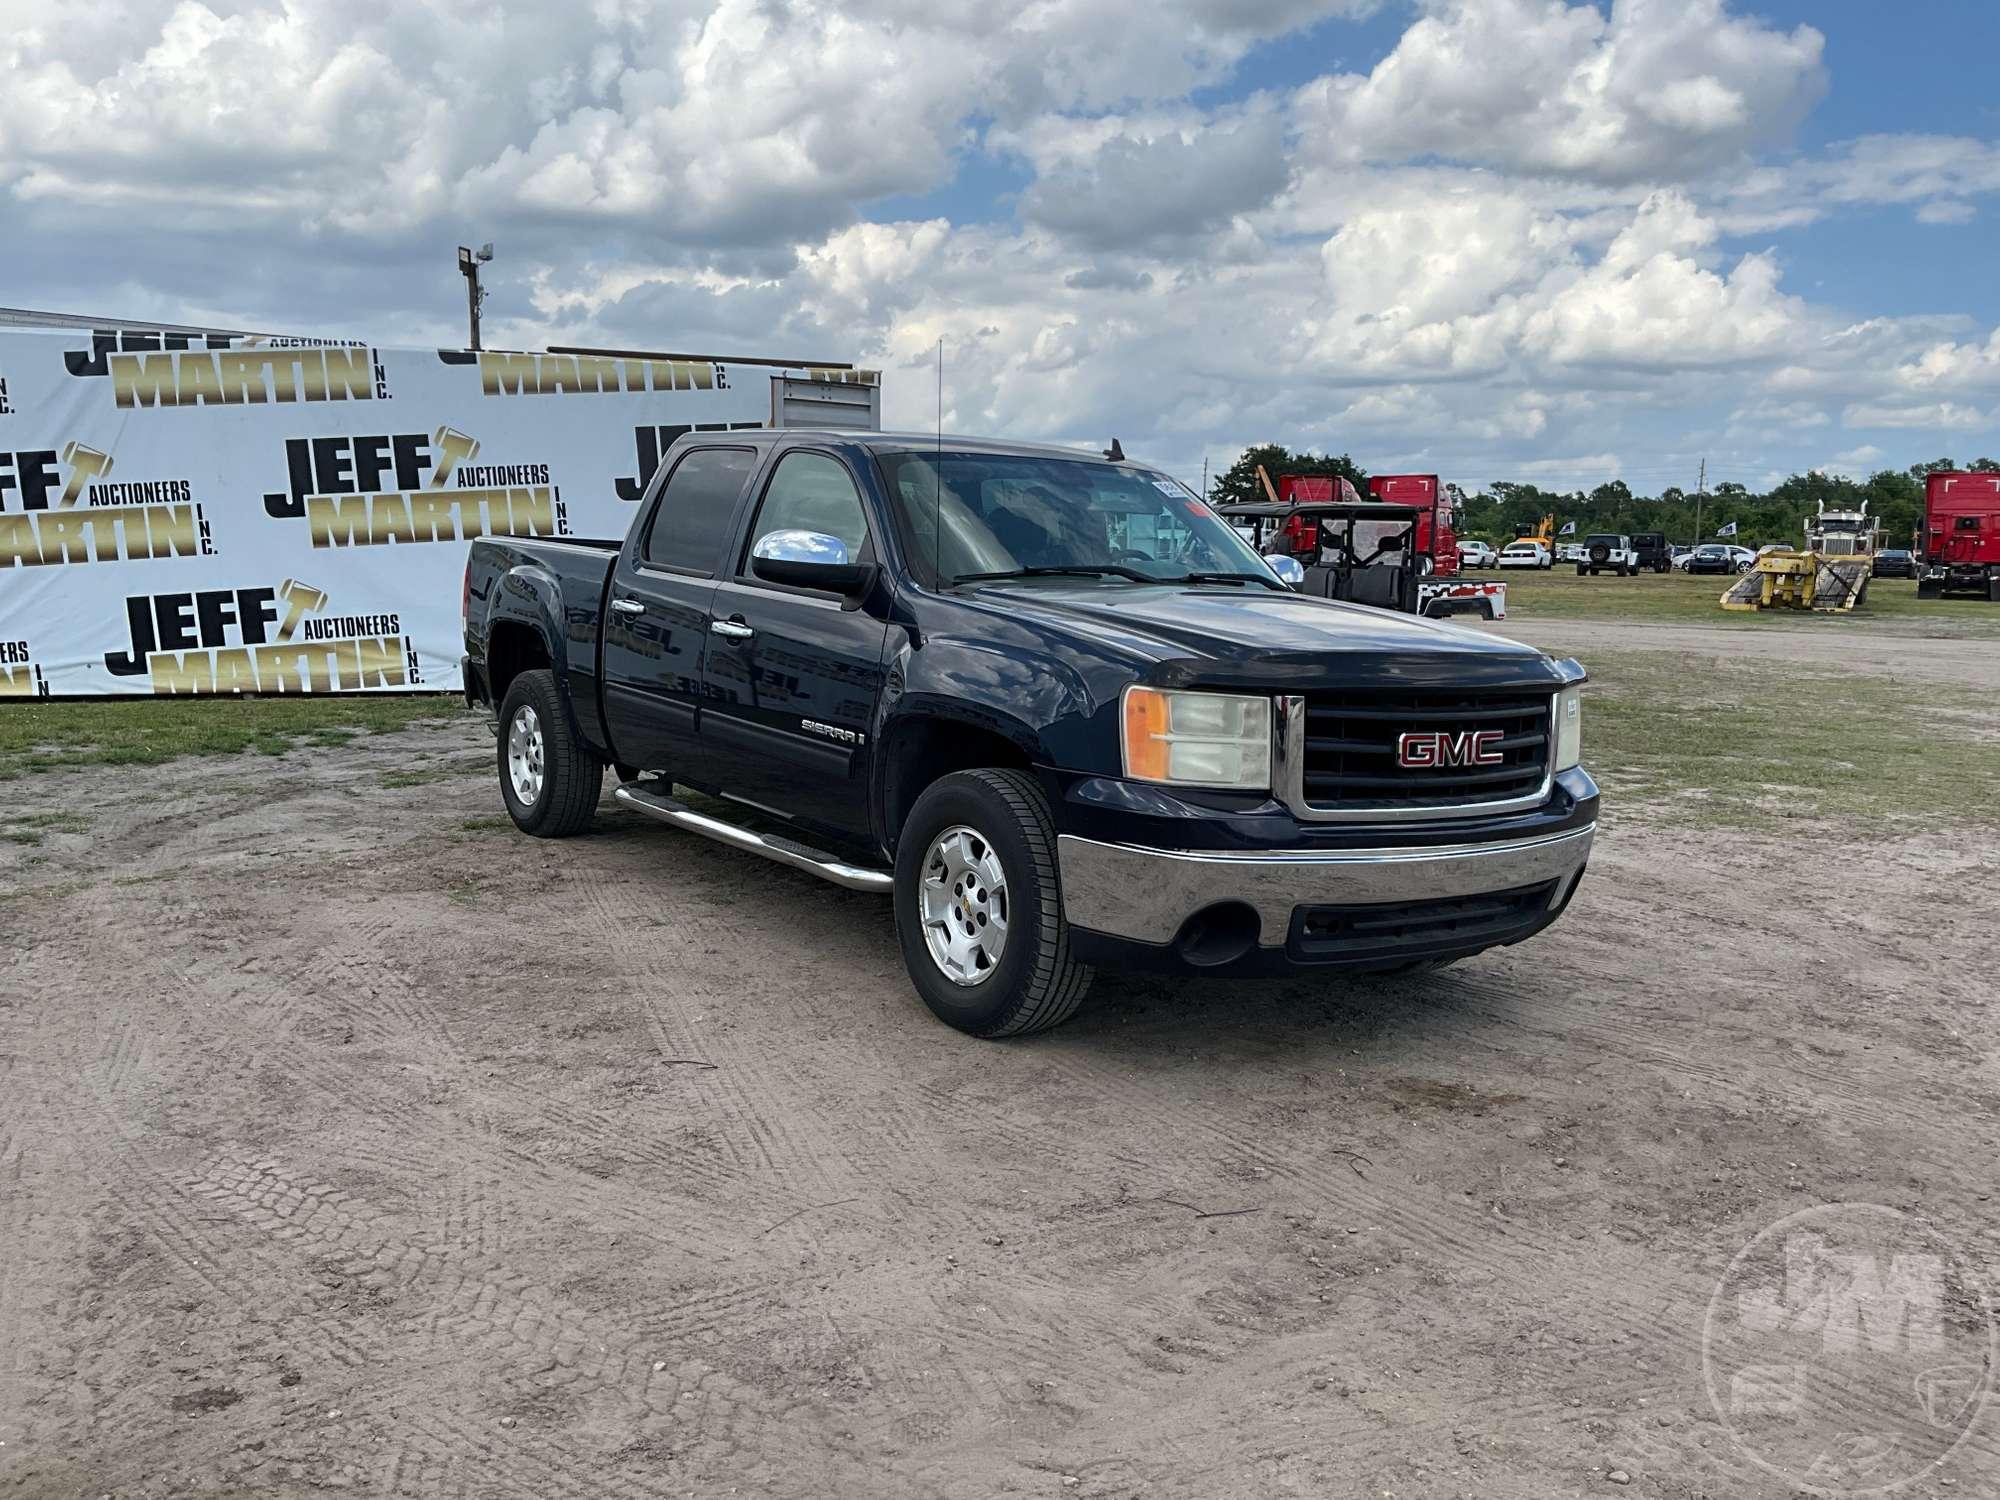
(1147, 894)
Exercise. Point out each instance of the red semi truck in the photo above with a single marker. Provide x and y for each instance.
(1961, 541)
(1437, 544)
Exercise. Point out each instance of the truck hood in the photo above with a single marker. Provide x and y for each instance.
(1225, 634)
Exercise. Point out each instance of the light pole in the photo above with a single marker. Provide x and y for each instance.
(469, 263)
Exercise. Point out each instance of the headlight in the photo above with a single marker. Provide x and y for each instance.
(1197, 739)
(1569, 727)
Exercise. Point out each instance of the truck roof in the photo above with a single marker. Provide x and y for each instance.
(919, 442)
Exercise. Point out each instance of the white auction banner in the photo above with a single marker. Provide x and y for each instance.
(207, 514)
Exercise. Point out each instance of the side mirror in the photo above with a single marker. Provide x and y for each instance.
(1290, 571)
(809, 560)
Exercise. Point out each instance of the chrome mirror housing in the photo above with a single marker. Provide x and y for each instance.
(800, 547)
(1290, 571)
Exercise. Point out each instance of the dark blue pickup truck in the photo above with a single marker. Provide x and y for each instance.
(1046, 700)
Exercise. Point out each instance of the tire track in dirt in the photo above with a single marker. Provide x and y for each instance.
(175, 1215)
(675, 959)
(460, 1149)
(499, 1318)
(890, 1133)
(1441, 1230)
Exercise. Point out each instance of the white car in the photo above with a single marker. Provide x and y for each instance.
(1526, 555)
(1477, 555)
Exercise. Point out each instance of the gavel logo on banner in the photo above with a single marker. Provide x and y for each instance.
(454, 447)
(85, 464)
(300, 600)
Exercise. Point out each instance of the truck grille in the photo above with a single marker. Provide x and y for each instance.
(1415, 929)
(1350, 750)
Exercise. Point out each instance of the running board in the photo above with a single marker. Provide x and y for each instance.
(784, 851)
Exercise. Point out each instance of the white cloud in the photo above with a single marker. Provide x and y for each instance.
(1855, 463)
(1148, 182)
(1659, 89)
(1937, 416)
(1939, 174)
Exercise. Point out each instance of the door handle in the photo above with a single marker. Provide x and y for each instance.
(628, 606)
(736, 630)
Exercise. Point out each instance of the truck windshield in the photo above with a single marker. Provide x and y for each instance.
(992, 514)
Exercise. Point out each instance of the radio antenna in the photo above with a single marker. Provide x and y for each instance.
(937, 478)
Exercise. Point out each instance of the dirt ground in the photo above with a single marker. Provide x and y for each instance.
(350, 1141)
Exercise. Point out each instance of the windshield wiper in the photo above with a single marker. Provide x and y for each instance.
(1080, 570)
(1263, 578)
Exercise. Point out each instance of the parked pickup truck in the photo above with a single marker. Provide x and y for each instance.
(1047, 701)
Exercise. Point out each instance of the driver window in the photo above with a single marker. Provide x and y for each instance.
(812, 492)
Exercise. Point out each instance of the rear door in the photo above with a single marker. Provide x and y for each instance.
(793, 675)
(656, 620)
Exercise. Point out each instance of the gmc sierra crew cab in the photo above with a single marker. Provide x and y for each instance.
(1047, 701)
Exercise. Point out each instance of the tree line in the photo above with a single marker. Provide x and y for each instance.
(1505, 508)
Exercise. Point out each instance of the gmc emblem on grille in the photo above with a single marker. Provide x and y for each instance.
(1431, 749)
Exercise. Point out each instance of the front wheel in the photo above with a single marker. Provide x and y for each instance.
(979, 906)
(548, 777)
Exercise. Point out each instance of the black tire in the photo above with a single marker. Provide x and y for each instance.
(1035, 983)
(571, 777)
(1581, 570)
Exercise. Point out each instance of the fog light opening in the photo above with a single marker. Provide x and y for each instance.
(1218, 934)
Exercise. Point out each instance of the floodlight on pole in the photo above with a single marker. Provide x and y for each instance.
(469, 262)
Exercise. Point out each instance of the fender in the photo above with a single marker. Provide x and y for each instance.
(529, 594)
(1036, 702)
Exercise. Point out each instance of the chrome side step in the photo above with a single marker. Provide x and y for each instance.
(784, 851)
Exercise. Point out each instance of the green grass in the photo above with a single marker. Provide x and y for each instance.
(1755, 744)
(1560, 595)
(31, 828)
(52, 735)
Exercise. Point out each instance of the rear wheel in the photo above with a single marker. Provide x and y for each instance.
(548, 777)
(979, 906)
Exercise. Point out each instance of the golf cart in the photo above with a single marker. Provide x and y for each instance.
(1362, 552)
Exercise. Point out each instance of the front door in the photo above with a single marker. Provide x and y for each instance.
(793, 675)
(656, 626)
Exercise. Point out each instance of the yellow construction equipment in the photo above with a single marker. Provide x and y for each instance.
(1829, 574)
(1544, 533)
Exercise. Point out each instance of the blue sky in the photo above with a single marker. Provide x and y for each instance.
(1539, 239)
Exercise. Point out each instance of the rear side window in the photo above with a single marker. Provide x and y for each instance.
(692, 517)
